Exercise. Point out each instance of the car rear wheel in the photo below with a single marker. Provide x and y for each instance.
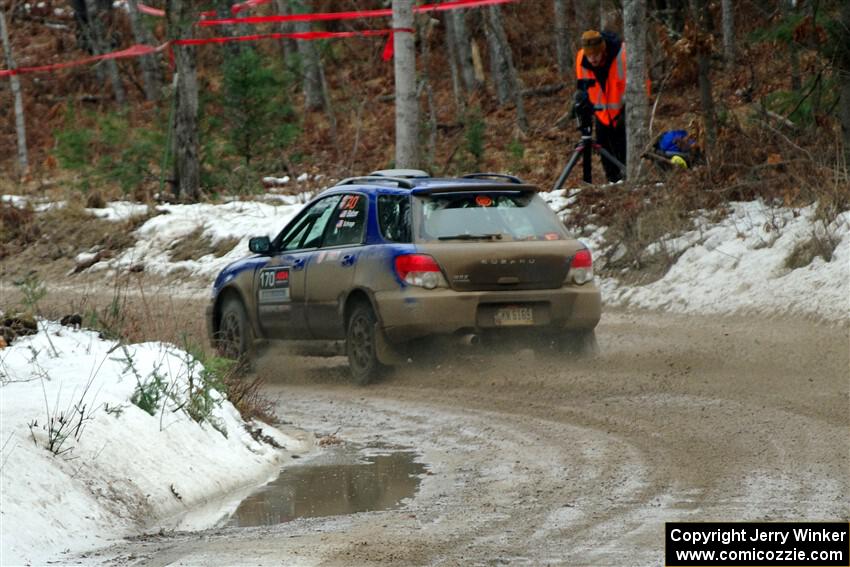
(235, 338)
(582, 343)
(361, 344)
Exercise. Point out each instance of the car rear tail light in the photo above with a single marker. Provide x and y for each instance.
(419, 270)
(581, 267)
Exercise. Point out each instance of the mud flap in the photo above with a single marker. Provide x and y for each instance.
(386, 353)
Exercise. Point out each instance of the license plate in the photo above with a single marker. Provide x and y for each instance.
(509, 316)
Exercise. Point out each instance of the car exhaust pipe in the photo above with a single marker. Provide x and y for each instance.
(470, 339)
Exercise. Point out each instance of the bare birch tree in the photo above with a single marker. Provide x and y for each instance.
(406, 103)
(637, 103)
(15, 83)
(97, 41)
(463, 45)
(727, 9)
(505, 77)
(187, 168)
(563, 51)
(311, 67)
(287, 46)
(151, 79)
(454, 67)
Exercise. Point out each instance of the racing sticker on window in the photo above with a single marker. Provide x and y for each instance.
(274, 286)
(349, 202)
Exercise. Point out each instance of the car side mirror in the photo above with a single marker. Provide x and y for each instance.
(260, 244)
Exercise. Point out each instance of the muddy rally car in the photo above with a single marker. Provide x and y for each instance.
(381, 263)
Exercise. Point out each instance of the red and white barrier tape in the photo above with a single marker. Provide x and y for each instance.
(355, 15)
(139, 50)
(132, 51)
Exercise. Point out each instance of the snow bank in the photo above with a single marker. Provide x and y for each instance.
(740, 265)
(122, 465)
(236, 219)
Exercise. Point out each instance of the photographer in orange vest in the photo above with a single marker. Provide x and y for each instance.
(603, 58)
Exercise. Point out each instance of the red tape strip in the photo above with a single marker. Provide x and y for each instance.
(363, 14)
(132, 51)
(308, 36)
(139, 50)
(145, 9)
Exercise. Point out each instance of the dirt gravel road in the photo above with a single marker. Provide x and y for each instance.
(535, 459)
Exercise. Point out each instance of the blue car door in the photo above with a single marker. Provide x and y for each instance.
(281, 285)
(330, 274)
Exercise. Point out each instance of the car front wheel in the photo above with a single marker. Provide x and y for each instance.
(235, 337)
(361, 345)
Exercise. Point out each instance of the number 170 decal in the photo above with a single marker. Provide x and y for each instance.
(274, 285)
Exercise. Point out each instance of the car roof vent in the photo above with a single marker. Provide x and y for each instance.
(403, 173)
(380, 179)
(511, 178)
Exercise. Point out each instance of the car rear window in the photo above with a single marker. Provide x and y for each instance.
(502, 215)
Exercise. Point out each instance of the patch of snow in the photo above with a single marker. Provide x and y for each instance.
(303, 177)
(740, 265)
(276, 180)
(236, 219)
(122, 466)
(84, 257)
(119, 211)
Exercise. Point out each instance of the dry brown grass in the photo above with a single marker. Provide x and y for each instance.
(197, 245)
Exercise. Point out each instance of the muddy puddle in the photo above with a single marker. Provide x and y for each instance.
(343, 480)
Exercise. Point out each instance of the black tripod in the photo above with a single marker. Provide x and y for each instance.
(583, 112)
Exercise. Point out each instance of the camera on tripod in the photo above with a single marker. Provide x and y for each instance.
(582, 106)
(583, 110)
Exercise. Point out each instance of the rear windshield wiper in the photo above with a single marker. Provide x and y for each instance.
(496, 236)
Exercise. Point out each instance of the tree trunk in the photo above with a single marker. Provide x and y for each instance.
(505, 76)
(453, 57)
(701, 16)
(20, 126)
(637, 104)
(311, 71)
(464, 50)
(98, 44)
(223, 10)
(562, 39)
(843, 64)
(425, 31)
(287, 46)
(728, 14)
(151, 77)
(187, 169)
(498, 63)
(406, 103)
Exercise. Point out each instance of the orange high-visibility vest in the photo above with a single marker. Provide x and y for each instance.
(608, 103)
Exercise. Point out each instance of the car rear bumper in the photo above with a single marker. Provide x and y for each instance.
(415, 312)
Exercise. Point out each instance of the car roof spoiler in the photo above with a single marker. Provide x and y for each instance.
(474, 188)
